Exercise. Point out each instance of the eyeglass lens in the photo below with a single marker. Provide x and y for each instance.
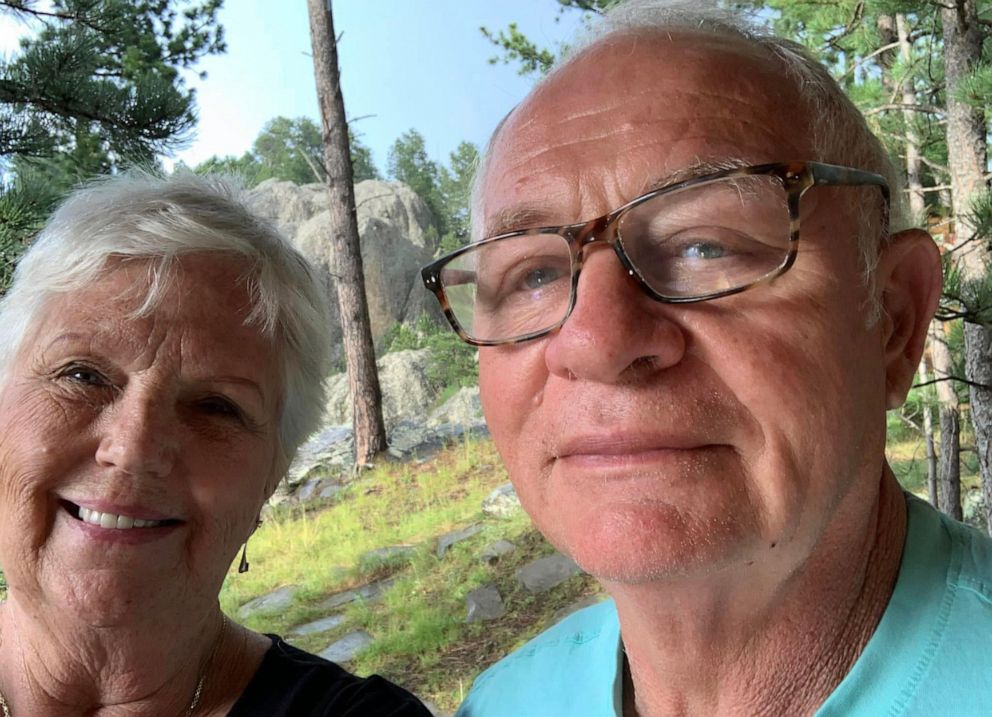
(701, 240)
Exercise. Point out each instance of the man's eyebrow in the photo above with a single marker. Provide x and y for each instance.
(698, 168)
(532, 216)
(516, 217)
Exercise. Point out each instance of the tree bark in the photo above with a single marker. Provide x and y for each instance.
(950, 424)
(345, 250)
(966, 153)
(932, 493)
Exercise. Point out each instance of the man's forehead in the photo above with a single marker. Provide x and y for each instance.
(671, 106)
(625, 64)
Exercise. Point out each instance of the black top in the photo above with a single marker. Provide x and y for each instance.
(294, 683)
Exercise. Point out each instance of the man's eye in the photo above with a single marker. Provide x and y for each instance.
(541, 277)
(703, 250)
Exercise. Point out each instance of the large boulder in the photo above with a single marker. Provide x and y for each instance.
(286, 204)
(406, 392)
(397, 238)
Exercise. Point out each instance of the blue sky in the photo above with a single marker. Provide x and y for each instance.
(404, 63)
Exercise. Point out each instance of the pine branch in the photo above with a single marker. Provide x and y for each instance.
(959, 379)
(927, 109)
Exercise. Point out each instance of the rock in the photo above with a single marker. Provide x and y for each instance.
(323, 625)
(502, 502)
(417, 440)
(286, 204)
(406, 392)
(276, 600)
(306, 491)
(462, 409)
(368, 592)
(330, 448)
(484, 603)
(494, 551)
(545, 573)
(347, 647)
(390, 554)
(445, 542)
(329, 490)
(397, 236)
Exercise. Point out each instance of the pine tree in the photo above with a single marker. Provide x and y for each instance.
(97, 87)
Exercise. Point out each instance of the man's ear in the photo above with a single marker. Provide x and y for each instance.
(909, 279)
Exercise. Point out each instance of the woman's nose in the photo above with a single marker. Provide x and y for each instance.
(139, 435)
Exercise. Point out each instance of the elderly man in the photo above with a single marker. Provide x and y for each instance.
(693, 317)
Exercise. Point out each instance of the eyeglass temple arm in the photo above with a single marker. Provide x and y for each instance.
(452, 277)
(846, 176)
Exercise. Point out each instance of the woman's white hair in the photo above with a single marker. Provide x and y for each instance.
(140, 216)
(840, 134)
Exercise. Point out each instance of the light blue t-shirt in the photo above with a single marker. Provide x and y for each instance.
(930, 656)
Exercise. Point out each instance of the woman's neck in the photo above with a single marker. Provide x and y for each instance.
(51, 666)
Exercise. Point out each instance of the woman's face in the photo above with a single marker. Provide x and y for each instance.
(136, 452)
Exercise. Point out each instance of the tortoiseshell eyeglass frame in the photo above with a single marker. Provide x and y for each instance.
(796, 178)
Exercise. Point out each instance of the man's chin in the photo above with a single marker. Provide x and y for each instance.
(652, 544)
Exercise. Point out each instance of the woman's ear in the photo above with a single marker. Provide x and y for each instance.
(908, 278)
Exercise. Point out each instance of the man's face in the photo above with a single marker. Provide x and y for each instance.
(652, 440)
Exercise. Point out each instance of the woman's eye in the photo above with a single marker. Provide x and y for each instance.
(218, 406)
(84, 375)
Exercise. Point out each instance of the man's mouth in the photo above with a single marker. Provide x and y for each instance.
(114, 521)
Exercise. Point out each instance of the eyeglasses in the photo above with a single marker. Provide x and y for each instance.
(694, 240)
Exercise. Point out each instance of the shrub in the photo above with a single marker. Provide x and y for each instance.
(452, 363)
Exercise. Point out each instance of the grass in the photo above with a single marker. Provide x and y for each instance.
(907, 456)
(421, 638)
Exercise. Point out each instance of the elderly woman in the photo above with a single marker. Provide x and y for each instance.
(161, 358)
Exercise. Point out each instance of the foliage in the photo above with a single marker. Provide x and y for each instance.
(517, 47)
(455, 185)
(445, 190)
(408, 162)
(96, 88)
(452, 363)
(291, 150)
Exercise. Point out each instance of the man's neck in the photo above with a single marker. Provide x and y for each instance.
(718, 649)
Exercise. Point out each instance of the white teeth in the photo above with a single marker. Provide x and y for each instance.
(112, 520)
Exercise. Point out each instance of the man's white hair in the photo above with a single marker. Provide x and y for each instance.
(139, 216)
(838, 131)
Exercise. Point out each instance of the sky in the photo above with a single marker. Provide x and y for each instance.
(405, 64)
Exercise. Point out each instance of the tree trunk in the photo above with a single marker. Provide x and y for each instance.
(345, 250)
(966, 154)
(917, 208)
(950, 424)
(932, 493)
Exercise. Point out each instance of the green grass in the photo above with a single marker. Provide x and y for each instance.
(421, 638)
(907, 456)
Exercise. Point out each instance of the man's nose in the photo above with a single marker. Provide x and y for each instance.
(615, 331)
(139, 436)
